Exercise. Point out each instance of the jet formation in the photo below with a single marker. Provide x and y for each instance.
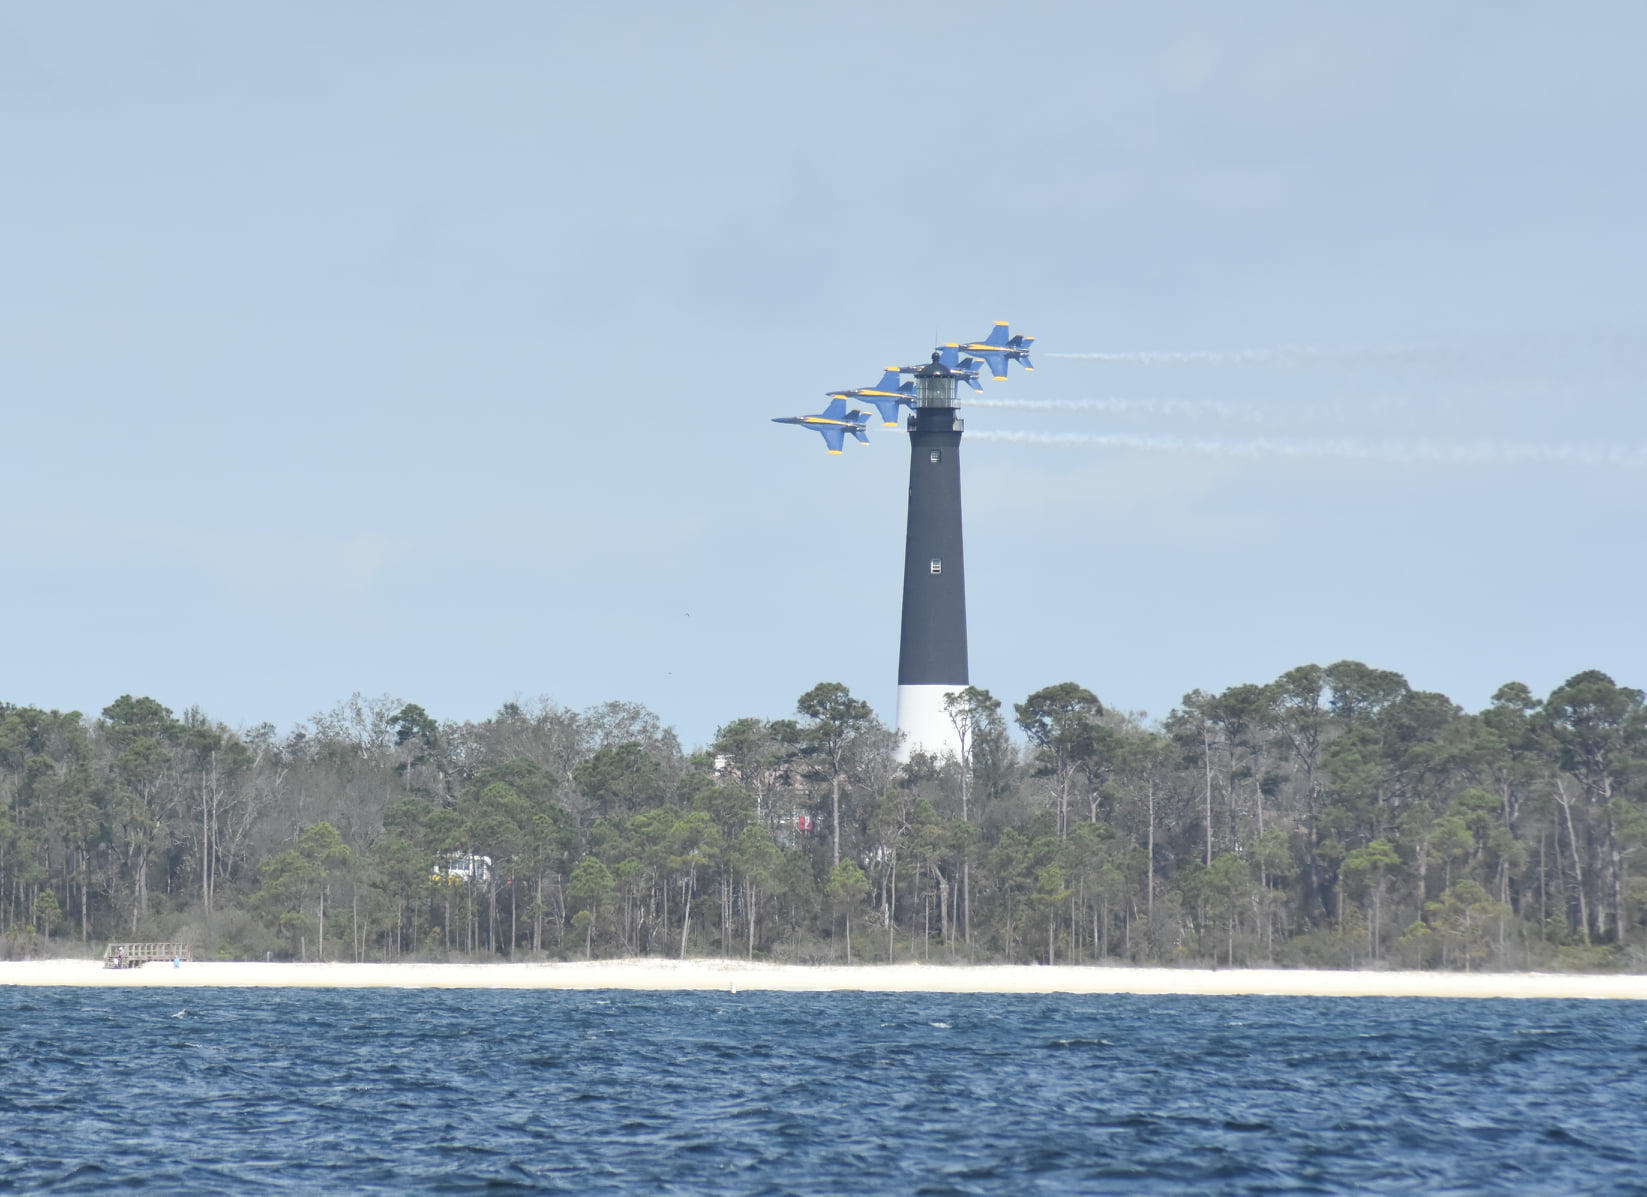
(889, 394)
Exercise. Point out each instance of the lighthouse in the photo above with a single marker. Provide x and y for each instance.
(932, 660)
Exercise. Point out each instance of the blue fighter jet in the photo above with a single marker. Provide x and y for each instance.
(949, 357)
(832, 423)
(998, 349)
(886, 396)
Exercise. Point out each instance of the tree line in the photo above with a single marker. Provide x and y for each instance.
(1332, 817)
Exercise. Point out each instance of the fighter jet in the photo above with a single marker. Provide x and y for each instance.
(998, 349)
(949, 357)
(886, 396)
(832, 423)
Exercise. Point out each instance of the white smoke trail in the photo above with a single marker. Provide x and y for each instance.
(1411, 452)
(1608, 350)
(1232, 411)
(1195, 409)
(1286, 355)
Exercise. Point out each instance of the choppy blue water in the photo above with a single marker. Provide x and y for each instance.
(442, 1091)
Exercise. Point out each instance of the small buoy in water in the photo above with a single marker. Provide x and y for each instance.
(181, 1013)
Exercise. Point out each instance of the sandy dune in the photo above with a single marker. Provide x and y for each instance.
(899, 978)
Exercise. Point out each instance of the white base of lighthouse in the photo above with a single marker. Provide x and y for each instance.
(925, 723)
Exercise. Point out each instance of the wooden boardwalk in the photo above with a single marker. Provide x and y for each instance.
(132, 955)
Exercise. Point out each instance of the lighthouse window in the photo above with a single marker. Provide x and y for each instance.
(935, 456)
(937, 565)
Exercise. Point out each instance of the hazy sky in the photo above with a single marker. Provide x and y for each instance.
(430, 350)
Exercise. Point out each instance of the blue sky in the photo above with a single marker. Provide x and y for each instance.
(430, 350)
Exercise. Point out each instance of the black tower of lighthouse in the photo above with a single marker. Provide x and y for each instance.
(932, 649)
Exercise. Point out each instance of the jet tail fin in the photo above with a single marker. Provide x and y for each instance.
(1022, 344)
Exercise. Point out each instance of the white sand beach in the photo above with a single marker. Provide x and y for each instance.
(735, 975)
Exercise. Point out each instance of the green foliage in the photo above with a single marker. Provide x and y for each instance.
(589, 888)
(296, 881)
(832, 710)
(848, 887)
(1304, 820)
(1462, 919)
(1061, 724)
(47, 912)
(412, 724)
(622, 780)
(837, 722)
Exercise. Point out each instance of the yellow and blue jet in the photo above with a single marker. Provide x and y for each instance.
(832, 423)
(886, 396)
(998, 349)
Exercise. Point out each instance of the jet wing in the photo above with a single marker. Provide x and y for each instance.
(996, 362)
(888, 408)
(834, 437)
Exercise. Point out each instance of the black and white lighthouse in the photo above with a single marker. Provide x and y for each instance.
(932, 648)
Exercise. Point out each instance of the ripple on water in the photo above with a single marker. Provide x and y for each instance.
(385, 1091)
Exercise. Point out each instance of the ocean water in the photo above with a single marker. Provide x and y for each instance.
(373, 1091)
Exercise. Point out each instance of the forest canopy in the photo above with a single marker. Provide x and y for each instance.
(1332, 817)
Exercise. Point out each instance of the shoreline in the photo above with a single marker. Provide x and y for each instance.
(739, 976)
